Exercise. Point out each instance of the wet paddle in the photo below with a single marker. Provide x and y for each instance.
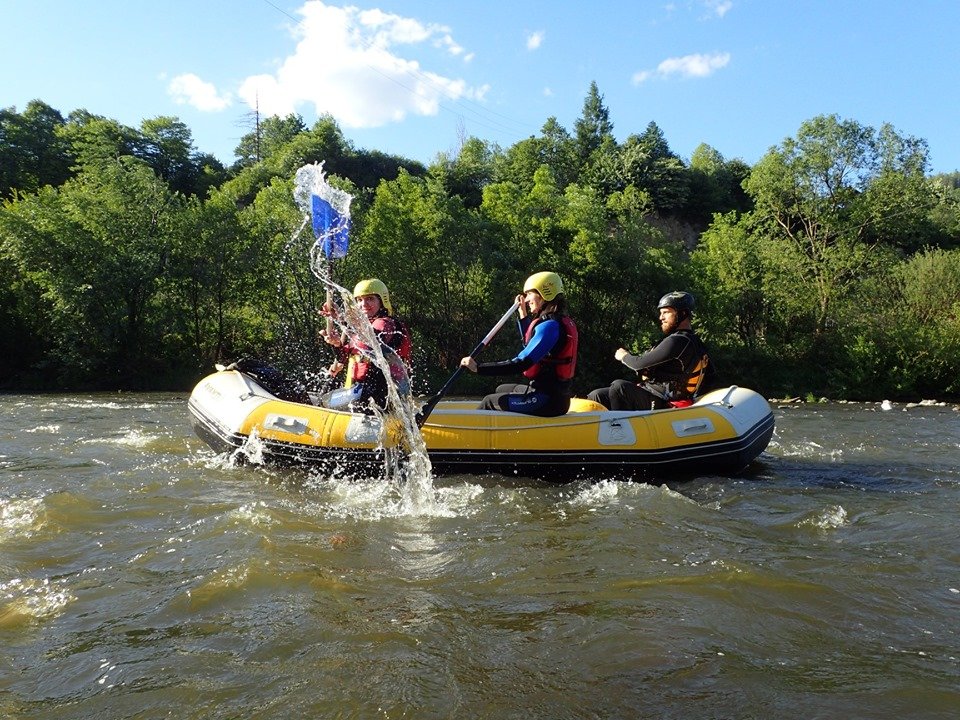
(432, 402)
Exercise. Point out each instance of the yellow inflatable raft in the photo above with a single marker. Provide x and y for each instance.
(721, 433)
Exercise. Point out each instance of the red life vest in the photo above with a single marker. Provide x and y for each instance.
(563, 358)
(387, 328)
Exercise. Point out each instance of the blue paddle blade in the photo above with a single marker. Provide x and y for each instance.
(330, 228)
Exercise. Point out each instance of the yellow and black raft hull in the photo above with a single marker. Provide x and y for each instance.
(722, 433)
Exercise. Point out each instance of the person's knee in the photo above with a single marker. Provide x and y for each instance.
(600, 395)
(492, 402)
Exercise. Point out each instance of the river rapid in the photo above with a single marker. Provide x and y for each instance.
(143, 576)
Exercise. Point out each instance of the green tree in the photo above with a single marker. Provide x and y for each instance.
(907, 337)
(167, 147)
(715, 186)
(215, 288)
(468, 173)
(619, 265)
(529, 225)
(269, 135)
(554, 148)
(816, 201)
(593, 125)
(96, 249)
(94, 139)
(32, 154)
(731, 273)
(648, 163)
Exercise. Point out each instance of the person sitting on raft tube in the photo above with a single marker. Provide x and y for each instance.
(365, 381)
(548, 358)
(671, 372)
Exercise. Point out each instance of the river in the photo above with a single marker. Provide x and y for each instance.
(142, 576)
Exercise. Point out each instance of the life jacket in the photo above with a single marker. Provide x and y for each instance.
(696, 377)
(684, 396)
(680, 387)
(562, 359)
(360, 364)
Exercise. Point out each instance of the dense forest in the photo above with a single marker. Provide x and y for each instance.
(130, 260)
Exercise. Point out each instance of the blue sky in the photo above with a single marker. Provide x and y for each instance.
(412, 77)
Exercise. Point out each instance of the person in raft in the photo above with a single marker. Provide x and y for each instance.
(365, 381)
(549, 356)
(671, 373)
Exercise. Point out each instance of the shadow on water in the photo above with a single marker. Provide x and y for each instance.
(866, 475)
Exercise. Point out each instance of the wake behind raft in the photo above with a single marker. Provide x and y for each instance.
(721, 433)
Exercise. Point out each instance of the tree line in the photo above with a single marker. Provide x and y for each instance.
(129, 260)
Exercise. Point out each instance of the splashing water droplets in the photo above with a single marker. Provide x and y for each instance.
(329, 208)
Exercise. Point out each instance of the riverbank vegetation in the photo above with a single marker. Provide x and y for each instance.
(130, 260)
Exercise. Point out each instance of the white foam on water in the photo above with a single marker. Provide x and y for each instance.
(377, 499)
(256, 514)
(20, 518)
(52, 429)
(606, 493)
(827, 519)
(104, 405)
(131, 438)
(32, 599)
(251, 450)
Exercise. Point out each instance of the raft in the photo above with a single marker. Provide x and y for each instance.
(722, 432)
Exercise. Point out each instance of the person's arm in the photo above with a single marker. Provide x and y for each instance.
(664, 352)
(545, 336)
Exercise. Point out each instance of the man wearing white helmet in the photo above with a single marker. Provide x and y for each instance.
(671, 372)
(549, 356)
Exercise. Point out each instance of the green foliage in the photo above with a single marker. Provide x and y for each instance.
(909, 334)
(729, 267)
(468, 173)
(593, 126)
(32, 154)
(96, 250)
(128, 259)
(820, 200)
(267, 138)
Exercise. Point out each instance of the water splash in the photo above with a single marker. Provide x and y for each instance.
(251, 451)
(413, 474)
(829, 518)
(20, 518)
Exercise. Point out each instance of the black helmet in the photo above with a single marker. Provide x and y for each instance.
(680, 301)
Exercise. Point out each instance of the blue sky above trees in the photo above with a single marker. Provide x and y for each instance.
(414, 77)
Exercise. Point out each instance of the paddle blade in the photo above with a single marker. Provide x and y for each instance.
(329, 211)
(330, 228)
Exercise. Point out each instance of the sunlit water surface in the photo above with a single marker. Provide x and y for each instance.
(142, 576)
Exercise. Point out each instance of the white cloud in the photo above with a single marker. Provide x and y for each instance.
(188, 89)
(535, 40)
(718, 7)
(687, 66)
(346, 63)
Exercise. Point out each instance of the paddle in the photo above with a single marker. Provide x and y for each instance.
(432, 402)
(332, 231)
(329, 211)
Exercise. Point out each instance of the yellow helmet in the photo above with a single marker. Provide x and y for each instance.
(373, 286)
(548, 284)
